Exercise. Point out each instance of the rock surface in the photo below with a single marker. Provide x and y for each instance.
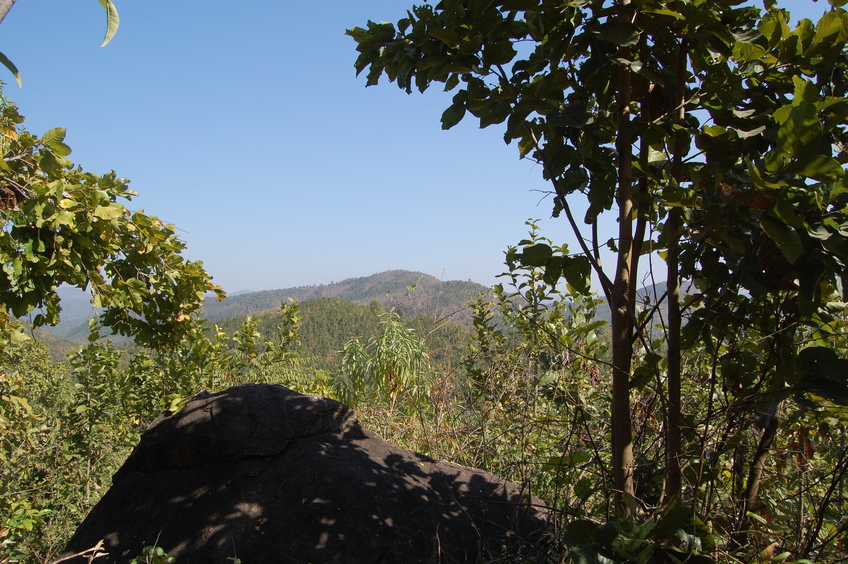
(264, 474)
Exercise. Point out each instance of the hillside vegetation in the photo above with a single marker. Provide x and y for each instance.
(702, 423)
(415, 293)
(328, 324)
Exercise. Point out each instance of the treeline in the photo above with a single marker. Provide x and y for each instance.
(417, 293)
(327, 324)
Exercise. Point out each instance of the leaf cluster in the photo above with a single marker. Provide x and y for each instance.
(62, 225)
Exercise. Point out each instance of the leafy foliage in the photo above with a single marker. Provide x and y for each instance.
(393, 364)
(719, 139)
(717, 134)
(62, 225)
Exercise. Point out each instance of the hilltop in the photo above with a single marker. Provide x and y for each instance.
(415, 293)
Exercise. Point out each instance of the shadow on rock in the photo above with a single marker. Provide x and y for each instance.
(264, 474)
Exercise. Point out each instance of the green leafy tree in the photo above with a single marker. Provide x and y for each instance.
(532, 388)
(716, 135)
(62, 225)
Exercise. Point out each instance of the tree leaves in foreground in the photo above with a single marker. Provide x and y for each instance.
(716, 134)
(62, 225)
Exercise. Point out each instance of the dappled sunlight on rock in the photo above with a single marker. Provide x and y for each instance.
(269, 475)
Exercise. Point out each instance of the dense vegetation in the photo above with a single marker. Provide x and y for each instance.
(329, 323)
(699, 425)
(718, 141)
(416, 293)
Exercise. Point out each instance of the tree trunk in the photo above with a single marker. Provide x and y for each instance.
(750, 501)
(621, 309)
(673, 481)
(673, 478)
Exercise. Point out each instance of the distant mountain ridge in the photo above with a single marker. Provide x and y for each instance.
(417, 293)
(414, 292)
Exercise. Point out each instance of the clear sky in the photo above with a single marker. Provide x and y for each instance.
(244, 124)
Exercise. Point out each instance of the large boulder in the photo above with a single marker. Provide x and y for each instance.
(264, 474)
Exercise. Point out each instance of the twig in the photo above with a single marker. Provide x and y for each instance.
(94, 552)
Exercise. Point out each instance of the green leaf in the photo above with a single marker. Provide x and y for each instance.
(830, 29)
(455, 112)
(112, 20)
(536, 254)
(451, 82)
(623, 34)
(499, 53)
(54, 140)
(736, 245)
(673, 517)
(581, 531)
(553, 271)
(453, 115)
(785, 237)
(714, 130)
(786, 213)
(820, 167)
(663, 11)
(12, 68)
(55, 135)
(823, 374)
(112, 211)
(447, 36)
(805, 91)
(578, 273)
(756, 177)
(801, 129)
(497, 113)
(839, 187)
(573, 115)
(50, 164)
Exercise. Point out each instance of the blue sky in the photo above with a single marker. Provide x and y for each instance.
(244, 124)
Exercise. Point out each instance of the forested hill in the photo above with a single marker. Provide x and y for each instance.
(416, 293)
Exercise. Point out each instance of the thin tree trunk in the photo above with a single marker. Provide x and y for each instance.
(812, 535)
(750, 501)
(673, 478)
(621, 310)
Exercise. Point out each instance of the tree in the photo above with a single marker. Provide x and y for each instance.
(715, 132)
(62, 225)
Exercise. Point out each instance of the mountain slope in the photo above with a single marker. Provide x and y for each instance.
(416, 293)
(327, 324)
